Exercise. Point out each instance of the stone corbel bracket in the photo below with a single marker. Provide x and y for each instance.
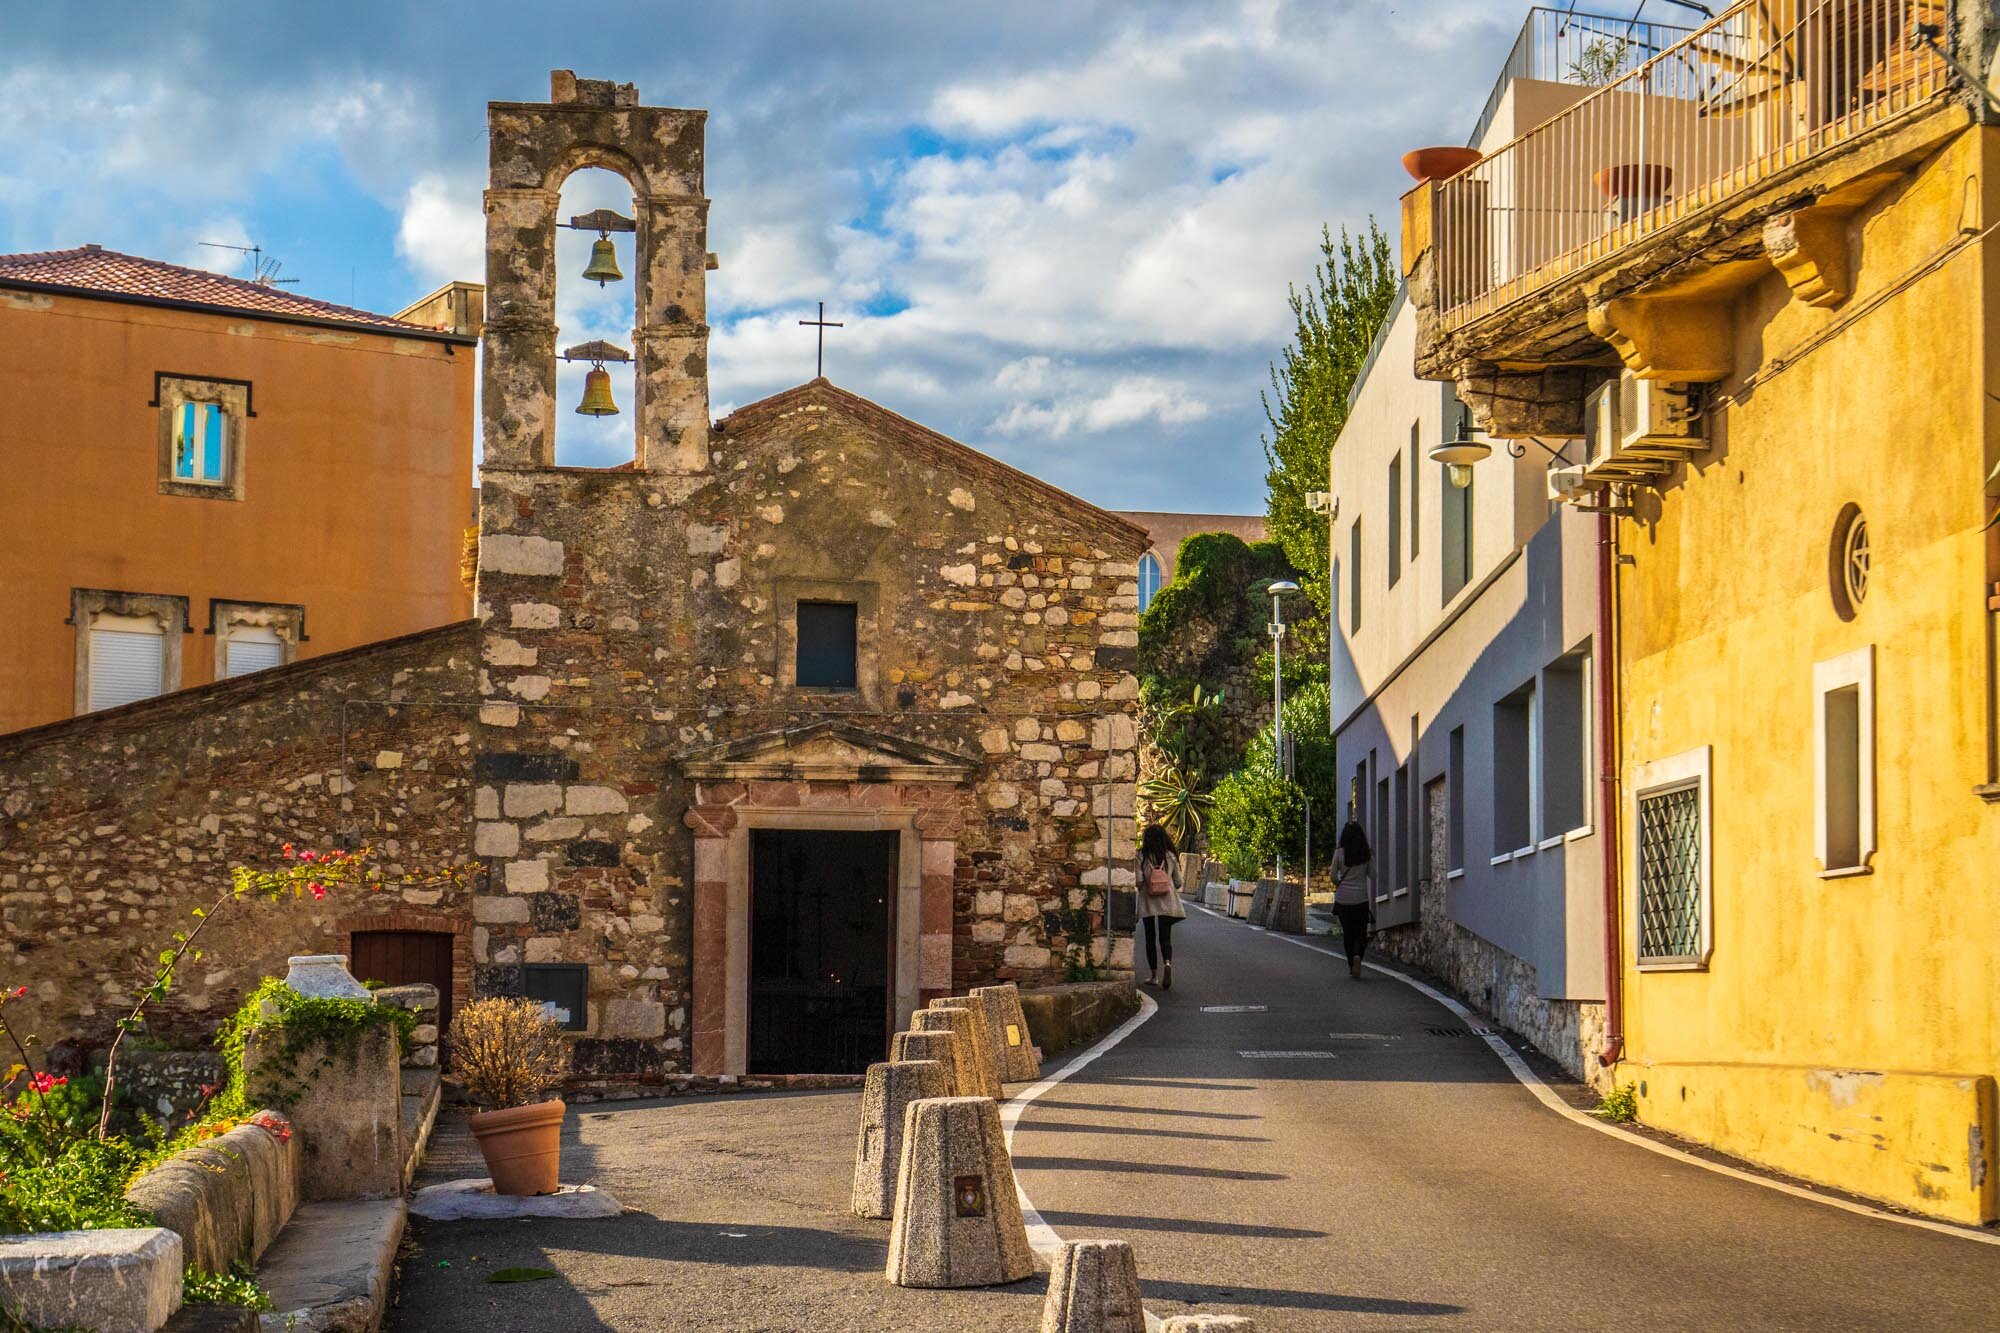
(1809, 248)
(1515, 404)
(1685, 339)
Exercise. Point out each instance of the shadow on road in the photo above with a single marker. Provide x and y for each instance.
(1126, 1222)
(1143, 1131)
(1049, 1104)
(1196, 1293)
(1140, 1168)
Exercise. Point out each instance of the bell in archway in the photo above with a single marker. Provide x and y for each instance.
(603, 264)
(597, 394)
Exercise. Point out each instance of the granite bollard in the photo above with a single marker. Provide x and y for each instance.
(1094, 1288)
(982, 1043)
(941, 1047)
(1017, 1051)
(878, 1150)
(958, 1216)
(972, 1052)
(993, 1019)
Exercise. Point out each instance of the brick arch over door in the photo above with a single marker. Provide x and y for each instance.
(430, 923)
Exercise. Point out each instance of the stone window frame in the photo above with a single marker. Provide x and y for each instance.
(287, 618)
(786, 594)
(172, 390)
(170, 609)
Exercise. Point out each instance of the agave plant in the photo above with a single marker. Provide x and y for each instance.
(1176, 797)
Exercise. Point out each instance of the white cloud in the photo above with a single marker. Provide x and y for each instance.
(442, 233)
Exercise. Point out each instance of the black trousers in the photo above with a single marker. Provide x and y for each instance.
(1159, 933)
(1353, 928)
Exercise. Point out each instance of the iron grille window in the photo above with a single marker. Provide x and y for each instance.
(827, 645)
(1670, 875)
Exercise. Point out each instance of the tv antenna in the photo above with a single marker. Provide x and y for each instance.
(263, 270)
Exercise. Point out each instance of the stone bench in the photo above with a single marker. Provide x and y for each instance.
(227, 1199)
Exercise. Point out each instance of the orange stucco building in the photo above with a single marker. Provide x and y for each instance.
(206, 476)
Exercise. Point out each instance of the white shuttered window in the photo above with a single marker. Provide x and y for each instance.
(127, 660)
(252, 648)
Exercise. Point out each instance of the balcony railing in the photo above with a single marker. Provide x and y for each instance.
(1766, 85)
(1566, 46)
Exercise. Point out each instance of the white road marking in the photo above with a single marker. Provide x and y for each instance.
(1547, 1097)
(1041, 1236)
(1287, 1055)
(1234, 1008)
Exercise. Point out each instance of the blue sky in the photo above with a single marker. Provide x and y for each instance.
(1061, 232)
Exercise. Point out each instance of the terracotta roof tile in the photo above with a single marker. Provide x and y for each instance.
(92, 268)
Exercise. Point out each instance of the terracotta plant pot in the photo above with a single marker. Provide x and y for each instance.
(1434, 164)
(522, 1146)
(1635, 180)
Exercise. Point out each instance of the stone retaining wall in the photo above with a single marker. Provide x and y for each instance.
(1077, 1013)
(1500, 985)
(227, 1199)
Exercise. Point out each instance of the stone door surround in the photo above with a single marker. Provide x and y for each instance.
(828, 776)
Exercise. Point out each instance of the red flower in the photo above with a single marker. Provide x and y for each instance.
(19, 991)
(44, 1083)
(317, 890)
(309, 857)
(289, 853)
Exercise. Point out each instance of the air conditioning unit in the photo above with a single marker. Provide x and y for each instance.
(1636, 430)
(1569, 483)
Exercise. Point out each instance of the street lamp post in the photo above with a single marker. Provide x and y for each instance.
(1277, 591)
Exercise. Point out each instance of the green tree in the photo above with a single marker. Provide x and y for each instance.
(1337, 317)
(1255, 814)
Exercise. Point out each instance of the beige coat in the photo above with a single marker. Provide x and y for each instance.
(1165, 904)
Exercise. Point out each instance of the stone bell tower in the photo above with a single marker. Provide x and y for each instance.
(533, 148)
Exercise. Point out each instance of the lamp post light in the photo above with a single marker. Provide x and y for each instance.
(1277, 593)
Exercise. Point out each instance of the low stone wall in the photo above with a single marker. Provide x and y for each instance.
(1500, 985)
(1077, 1013)
(227, 1199)
(422, 1052)
(631, 1087)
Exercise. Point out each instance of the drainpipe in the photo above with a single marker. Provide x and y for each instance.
(1607, 793)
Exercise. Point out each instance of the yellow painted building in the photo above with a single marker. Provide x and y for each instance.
(1773, 323)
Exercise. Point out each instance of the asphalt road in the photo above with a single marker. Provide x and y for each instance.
(1400, 1178)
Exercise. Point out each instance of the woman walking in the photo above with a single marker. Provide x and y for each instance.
(1353, 904)
(1159, 894)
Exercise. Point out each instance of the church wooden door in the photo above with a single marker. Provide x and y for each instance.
(822, 942)
(404, 958)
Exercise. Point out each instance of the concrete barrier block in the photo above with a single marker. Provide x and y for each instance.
(993, 1019)
(941, 1047)
(227, 1199)
(983, 1039)
(1240, 897)
(1260, 902)
(878, 1149)
(958, 1216)
(1215, 896)
(120, 1281)
(972, 1052)
(1094, 1288)
(1287, 911)
(1016, 1048)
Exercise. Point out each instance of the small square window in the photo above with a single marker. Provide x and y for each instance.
(563, 989)
(827, 645)
(201, 444)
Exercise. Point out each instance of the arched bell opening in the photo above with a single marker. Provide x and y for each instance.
(596, 308)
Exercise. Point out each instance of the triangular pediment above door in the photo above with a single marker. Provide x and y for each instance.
(827, 751)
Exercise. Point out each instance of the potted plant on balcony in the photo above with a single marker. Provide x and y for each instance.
(509, 1052)
(1439, 161)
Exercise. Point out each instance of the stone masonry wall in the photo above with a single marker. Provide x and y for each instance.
(1491, 980)
(636, 619)
(118, 825)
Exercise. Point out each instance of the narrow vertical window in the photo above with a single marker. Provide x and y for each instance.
(1844, 771)
(1671, 861)
(200, 454)
(1416, 486)
(1456, 550)
(1395, 519)
(1455, 796)
(1354, 578)
(1381, 839)
(1514, 772)
(1149, 579)
(1405, 831)
(1565, 744)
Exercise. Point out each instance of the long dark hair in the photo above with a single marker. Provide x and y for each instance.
(1155, 845)
(1354, 844)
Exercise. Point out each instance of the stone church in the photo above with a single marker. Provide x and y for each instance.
(799, 719)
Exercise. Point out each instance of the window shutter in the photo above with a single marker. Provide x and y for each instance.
(127, 663)
(252, 648)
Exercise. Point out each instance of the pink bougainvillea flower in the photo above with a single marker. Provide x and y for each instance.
(317, 890)
(44, 1082)
(19, 991)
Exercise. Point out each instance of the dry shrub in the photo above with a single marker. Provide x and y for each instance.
(508, 1051)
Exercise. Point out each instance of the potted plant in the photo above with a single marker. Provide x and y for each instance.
(1438, 162)
(509, 1052)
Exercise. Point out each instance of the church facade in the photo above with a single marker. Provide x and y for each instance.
(761, 741)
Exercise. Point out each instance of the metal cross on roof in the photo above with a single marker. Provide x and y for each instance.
(822, 324)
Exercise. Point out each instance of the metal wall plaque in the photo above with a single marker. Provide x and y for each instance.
(1013, 1034)
(969, 1196)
